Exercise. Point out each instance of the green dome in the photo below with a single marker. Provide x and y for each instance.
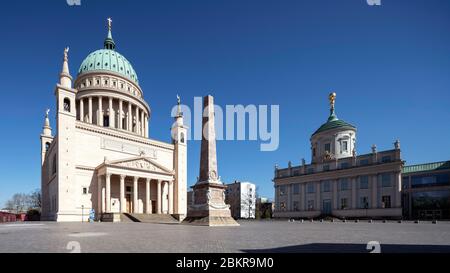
(332, 123)
(108, 60)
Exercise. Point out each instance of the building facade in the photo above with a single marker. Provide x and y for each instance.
(426, 191)
(241, 196)
(338, 182)
(101, 156)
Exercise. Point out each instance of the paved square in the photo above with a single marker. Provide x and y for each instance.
(251, 236)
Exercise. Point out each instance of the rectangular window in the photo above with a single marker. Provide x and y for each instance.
(326, 168)
(345, 165)
(310, 204)
(283, 190)
(386, 201)
(344, 184)
(85, 190)
(328, 147)
(364, 202)
(386, 159)
(295, 205)
(364, 182)
(386, 180)
(364, 162)
(310, 170)
(326, 186)
(296, 188)
(344, 147)
(311, 188)
(344, 203)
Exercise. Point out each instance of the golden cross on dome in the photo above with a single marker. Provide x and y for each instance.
(332, 99)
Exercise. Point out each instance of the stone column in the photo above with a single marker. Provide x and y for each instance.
(108, 193)
(99, 195)
(170, 197)
(398, 190)
(111, 114)
(135, 195)
(90, 109)
(120, 114)
(123, 205)
(130, 119)
(142, 124)
(137, 120)
(354, 203)
(148, 203)
(374, 191)
(158, 200)
(82, 110)
(146, 126)
(100, 111)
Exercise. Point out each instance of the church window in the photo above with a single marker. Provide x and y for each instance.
(106, 121)
(328, 147)
(66, 105)
(182, 137)
(344, 147)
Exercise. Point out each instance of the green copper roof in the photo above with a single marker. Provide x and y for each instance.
(108, 59)
(444, 165)
(332, 123)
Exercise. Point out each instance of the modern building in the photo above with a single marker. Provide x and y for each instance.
(338, 182)
(101, 157)
(241, 196)
(426, 191)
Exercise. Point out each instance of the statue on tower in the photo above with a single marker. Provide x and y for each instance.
(66, 54)
(332, 98)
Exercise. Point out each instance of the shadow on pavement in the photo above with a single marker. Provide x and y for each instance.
(353, 248)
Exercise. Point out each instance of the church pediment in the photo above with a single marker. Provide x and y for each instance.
(142, 164)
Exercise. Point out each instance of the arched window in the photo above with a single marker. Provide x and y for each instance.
(47, 146)
(106, 120)
(66, 105)
(182, 137)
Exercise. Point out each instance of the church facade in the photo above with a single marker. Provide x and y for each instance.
(338, 182)
(101, 157)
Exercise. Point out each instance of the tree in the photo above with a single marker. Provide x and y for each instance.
(35, 199)
(248, 200)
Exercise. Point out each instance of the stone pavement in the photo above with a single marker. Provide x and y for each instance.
(251, 236)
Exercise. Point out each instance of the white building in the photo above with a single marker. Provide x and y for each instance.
(241, 196)
(101, 156)
(339, 182)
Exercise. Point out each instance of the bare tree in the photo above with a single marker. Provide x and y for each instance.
(35, 199)
(248, 200)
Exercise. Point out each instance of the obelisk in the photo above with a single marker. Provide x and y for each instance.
(208, 206)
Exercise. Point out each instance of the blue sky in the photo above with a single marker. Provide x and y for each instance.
(389, 65)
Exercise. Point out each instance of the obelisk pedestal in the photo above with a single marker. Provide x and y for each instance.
(208, 206)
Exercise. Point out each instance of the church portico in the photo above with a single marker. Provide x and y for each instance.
(133, 186)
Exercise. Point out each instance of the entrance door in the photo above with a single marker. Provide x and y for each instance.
(326, 207)
(129, 208)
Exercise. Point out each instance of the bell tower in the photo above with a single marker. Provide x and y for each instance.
(179, 137)
(65, 119)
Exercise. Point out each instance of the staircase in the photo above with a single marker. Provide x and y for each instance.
(148, 218)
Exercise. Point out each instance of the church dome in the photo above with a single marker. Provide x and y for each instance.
(333, 122)
(107, 59)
